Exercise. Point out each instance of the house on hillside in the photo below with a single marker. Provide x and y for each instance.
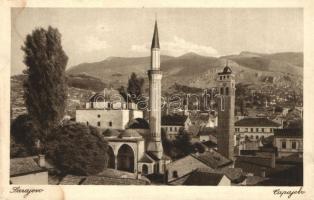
(172, 124)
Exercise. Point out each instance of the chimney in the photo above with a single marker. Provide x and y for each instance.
(41, 160)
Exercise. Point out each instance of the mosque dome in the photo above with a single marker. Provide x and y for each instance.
(130, 133)
(111, 133)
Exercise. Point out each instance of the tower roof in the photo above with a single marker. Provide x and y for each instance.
(155, 42)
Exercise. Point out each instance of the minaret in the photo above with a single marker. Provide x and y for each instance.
(155, 76)
(226, 104)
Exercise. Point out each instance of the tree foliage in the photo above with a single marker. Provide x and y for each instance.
(135, 87)
(45, 87)
(23, 136)
(77, 149)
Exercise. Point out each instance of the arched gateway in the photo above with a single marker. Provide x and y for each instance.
(125, 158)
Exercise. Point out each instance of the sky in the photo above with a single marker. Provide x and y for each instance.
(94, 34)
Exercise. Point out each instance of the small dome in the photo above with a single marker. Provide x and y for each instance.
(130, 133)
(111, 133)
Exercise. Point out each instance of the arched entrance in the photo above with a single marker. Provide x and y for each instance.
(144, 169)
(126, 158)
(111, 162)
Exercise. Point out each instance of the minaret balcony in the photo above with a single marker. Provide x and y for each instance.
(154, 71)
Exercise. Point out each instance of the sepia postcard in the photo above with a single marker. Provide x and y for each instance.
(154, 100)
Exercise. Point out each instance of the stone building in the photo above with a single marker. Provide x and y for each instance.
(255, 128)
(289, 142)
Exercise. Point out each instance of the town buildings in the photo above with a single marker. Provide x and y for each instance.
(173, 123)
(255, 128)
(289, 142)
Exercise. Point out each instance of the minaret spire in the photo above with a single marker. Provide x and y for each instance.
(155, 42)
(155, 76)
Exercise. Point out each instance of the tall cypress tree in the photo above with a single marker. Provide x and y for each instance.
(45, 88)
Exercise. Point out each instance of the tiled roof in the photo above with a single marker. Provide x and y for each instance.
(203, 178)
(173, 120)
(72, 180)
(146, 159)
(212, 159)
(289, 133)
(256, 122)
(102, 180)
(27, 165)
(234, 174)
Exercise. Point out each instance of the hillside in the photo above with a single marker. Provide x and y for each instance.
(77, 93)
(200, 71)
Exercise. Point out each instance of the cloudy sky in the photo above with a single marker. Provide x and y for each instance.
(91, 35)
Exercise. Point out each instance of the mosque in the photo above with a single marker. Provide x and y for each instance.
(141, 151)
(129, 149)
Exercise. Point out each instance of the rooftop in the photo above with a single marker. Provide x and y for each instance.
(256, 122)
(22, 166)
(213, 159)
(289, 133)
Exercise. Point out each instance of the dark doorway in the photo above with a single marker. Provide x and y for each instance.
(111, 163)
(126, 158)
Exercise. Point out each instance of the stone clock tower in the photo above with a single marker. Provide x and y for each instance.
(226, 106)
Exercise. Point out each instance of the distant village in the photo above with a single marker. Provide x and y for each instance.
(239, 142)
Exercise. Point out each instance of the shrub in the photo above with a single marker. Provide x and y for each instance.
(77, 149)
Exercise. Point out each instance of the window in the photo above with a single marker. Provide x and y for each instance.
(98, 123)
(98, 116)
(252, 137)
(175, 128)
(294, 145)
(246, 130)
(271, 130)
(174, 174)
(170, 128)
(256, 129)
(227, 91)
(220, 77)
(222, 103)
(110, 124)
(283, 144)
(256, 137)
(221, 91)
(227, 76)
(263, 130)
(87, 123)
(252, 130)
